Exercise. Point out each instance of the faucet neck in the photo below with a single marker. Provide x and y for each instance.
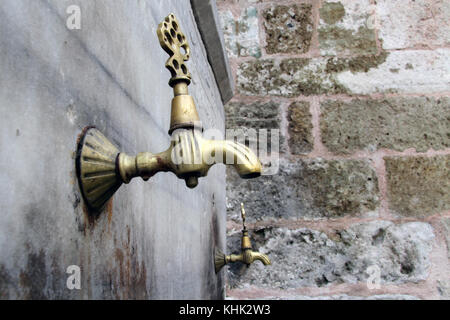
(246, 244)
(181, 88)
(184, 114)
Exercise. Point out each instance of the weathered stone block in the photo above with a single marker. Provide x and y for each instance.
(300, 128)
(306, 189)
(411, 23)
(418, 186)
(345, 28)
(241, 35)
(249, 120)
(332, 12)
(413, 71)
(393, 123)
(258, 115)
(407, 71)
(302, 76)
(288, 77)
(308, 258)
(288, 28)
(355, 64)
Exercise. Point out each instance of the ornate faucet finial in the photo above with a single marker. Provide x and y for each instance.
(243, 216)
(174, 42)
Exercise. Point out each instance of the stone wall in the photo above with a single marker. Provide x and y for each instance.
(360, 93)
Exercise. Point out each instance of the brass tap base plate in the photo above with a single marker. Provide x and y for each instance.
(96, 168)
(219, 259)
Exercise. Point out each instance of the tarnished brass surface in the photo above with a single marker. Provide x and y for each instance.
(184, 113)
(246, 256)
(189, 155)
(96, 168)
(174, 42)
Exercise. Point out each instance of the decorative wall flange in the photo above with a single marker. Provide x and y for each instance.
(96, 168)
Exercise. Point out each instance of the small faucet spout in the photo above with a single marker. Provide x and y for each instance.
(261, 257)
(246, 256)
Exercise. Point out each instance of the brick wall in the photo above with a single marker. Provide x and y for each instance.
(360, 93)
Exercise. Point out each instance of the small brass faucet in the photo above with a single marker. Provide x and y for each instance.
(102, 168)
(247, 256)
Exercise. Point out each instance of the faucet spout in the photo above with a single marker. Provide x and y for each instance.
(242, 158)
(247, 255)
(261, 257)
(189, 157)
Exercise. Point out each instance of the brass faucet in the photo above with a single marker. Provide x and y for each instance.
(102, 168)
(246, 256)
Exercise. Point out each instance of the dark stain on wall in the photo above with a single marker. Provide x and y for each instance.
(33, 278)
